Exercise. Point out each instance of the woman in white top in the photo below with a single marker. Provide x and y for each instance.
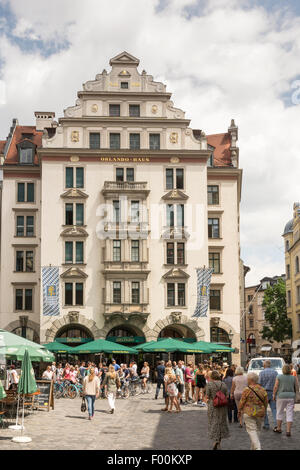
(239, 383)
(91, 389)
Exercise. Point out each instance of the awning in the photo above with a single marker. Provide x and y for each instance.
(266, 348)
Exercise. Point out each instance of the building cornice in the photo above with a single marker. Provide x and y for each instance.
(227, 173)
(124, 120)
(144, 95)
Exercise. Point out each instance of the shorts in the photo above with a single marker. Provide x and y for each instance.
(180, 388)
(188, 386)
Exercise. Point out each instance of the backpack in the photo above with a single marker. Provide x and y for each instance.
(220, 399)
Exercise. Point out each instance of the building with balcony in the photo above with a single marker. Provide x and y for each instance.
(121, 200)
(291, 238)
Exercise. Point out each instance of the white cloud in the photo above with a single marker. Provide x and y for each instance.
(225, 63)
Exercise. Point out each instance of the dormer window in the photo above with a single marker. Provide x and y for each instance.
(26, 151)
(210, 161)
(124, 85)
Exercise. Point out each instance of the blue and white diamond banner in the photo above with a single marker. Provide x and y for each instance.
(50, 280)
(203, 286)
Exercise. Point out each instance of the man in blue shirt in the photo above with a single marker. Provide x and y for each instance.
(267, 379)
(116, 366)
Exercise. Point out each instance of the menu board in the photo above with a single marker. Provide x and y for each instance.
(45, 398)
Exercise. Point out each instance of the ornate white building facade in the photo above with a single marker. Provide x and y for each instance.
(126, 201)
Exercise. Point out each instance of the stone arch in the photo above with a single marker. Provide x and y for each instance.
(17, 324)
(135, 322)
(182, 320)
(75, 320)
(236, 336)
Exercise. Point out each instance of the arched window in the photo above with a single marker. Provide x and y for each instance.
(26, 332)
(297, 264)
(218, 335)
(287, 245)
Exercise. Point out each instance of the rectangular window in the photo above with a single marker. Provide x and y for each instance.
(288, 271)
(20, 261)
(135, 250)
(29, 226)
(26, 156)
(124, 85)
(68, 293)
(215, 299)
(28, 299)
(213, 228)
(79, 252)
(298, 294)
(135, 211)
(20, 226)
(78, 293)
(21, 192)
(169, 178)
(30, 192)
(114, 141)
(117, 250)
(214, 262)
(250, 297)
(69, 252)
(170, 215)
(79, 214)
(94, 140)
(120, 174)
(19, 299)
(171, 294)
(289, 299)
(129, 174)
(154, 141)
(251, 323)
(117, 292)
(29, 261)
(69, 177)
(114, 110)
(180, 215)
(181, 294)
(79, 177)
(212, 195)
(170, 253)
(179, 178)
(116, 211)
(69, 214)
(135, 292)
(134, 110)
(180, 253)
(134, 141)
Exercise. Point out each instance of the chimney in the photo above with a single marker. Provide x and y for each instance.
(44, 119)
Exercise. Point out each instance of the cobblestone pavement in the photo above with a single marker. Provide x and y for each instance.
(138, 423)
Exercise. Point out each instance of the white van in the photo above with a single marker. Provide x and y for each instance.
(257, 364)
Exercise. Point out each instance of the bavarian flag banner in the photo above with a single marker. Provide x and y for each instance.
(203, 284)
(50, 279)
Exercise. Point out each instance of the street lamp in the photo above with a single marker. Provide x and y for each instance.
(230, 335)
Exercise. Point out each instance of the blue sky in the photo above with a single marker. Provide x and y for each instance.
(221, 59)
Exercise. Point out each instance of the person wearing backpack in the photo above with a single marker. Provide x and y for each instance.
(253, 405)
(217, 400)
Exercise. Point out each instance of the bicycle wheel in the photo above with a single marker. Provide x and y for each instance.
(58, 393)
(72, 391)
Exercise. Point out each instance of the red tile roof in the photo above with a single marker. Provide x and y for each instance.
(12, 154)
(2, 145)
(221, 143)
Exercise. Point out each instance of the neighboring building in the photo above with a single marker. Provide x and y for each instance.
(126, 200)
(291, 237)
(255, 321)
(243, 324)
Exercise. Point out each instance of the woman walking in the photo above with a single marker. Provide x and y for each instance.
(91, 390)
(239, 383)
(171, 389)
(231, 404)
(145, 372)
(217, 416)
(200, 385)
(284, 393)
(253, 405)
(111, 384)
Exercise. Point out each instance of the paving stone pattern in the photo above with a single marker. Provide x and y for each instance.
(138, 423)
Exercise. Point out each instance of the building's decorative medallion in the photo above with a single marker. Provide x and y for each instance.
(154, 109)
(124, 73)
(74, 158)
(176, 317)
(94, 108)
(174, 137)
(75, 136)
(174, 160)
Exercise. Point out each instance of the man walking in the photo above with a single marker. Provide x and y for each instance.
(160, 378)
(179, 380)
(267, 379)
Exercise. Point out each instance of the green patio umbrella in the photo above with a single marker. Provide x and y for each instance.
(13, 347)
(27, 383)
(221, 348)
(103, 346)
(170, 345)
(57, 347)
(2, 391)
(140, 346)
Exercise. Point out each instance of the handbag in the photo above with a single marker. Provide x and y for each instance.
(83, 405)
(220, 399)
